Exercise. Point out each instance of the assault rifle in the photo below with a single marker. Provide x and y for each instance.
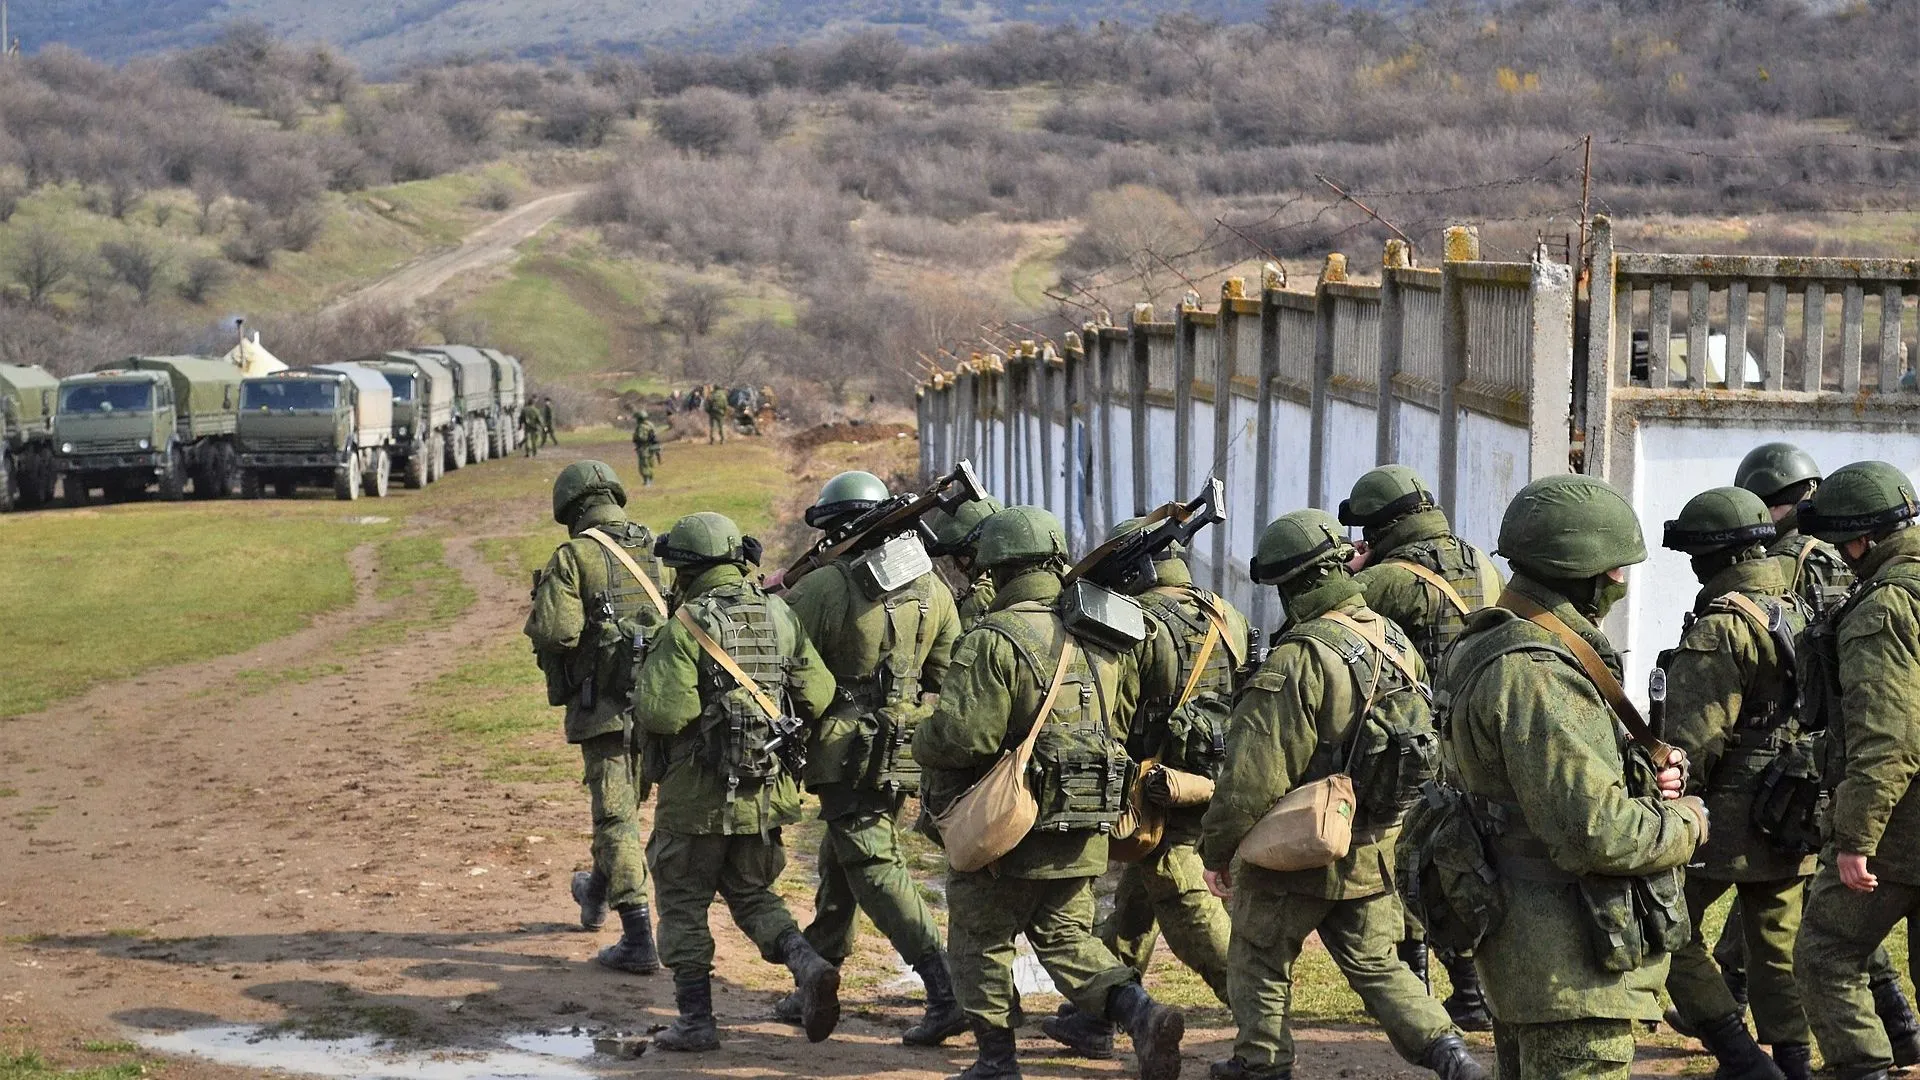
(885, 520)
(789, 744)
(1124, 564)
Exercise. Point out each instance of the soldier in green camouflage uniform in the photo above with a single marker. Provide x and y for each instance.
(1731, 705)
(547, 431)
(529, 432)
(646, 445)
(716, 415)
(724, 793)
(1181, 725)
(954, 537)
(1044, 887)
(885, 649)
(1583, 830)
(1408, 544)
(1869, 876)
(1339, 674)
(589, 616)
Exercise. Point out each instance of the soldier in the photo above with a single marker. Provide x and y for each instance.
(1195, 651)
(1586, 834)
(595, 604)
(716, 415)
(1869, 875)
(1043, 888)
(547, 431)
(646, 445)
(725, 696)
(886, 643)
(529, 432)
(954, 537)
(1731, 705)
(1339, 674)
(1416, 572)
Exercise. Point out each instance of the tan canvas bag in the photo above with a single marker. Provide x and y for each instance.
(990, 818)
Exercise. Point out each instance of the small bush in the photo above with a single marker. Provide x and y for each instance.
(203, 278)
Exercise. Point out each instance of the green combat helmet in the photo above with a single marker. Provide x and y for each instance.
(703, 538)
(1724, 517)
(1020, 534)
(1383, 496)
(844, 496)
(956, 533)
(1859, 500)
(580, 479)
(1771, 469)
(1296, 543)
(1570, 527)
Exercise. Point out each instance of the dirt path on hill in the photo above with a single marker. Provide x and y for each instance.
(489, 245)
(181, 852)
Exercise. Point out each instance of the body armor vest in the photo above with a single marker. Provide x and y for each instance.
(1190, 737)
(735, 734)
(621, 619)
(1815, 572)
(1471, 574)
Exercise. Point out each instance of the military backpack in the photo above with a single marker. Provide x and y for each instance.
(1188, 730)
(873, 749)
(1391, 750)
(622, 613)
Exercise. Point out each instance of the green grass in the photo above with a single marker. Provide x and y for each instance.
(31, 1066)
(413, 573)
(98, 1046)
(1036, 272)
(533, 315)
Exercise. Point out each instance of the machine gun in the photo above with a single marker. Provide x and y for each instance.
(877, 525)
(1124, 564)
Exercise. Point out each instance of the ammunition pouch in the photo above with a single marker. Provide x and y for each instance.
(1791, 801)
(1449, 881)
(1632, 919)
(1081, 784)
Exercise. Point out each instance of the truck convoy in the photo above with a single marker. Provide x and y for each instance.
(163, 420)
(319, 426)
(27, 397)
(422, 413)
(476, 404)
(510, 396)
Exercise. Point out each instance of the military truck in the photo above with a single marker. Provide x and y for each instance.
(510, 391)
(476, 405)
(422, 413)
(329, 425)
(163, 420)
(27, 399)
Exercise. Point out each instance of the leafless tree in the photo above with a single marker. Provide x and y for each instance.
(693, 307)
(41, 262)
(136, 263)
(705, 121)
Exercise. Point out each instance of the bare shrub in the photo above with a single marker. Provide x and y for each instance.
(974, 243)
(136, 263)
(203, 278)
(705, 121)
(41, 261)
(10, 196)
(576, 116)
(256, 242)
(692, 308)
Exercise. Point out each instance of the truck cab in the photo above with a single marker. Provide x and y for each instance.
(116, 430)
(328, 426)
(422, 413)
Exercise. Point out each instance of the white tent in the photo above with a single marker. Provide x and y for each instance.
(252, 358)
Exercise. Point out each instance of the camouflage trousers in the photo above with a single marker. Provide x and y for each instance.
(1269, 929)
(1731, 951)
(1772, 920)
(1164, 894)
(985, 914)
(1839, 933)
(1564, 1050)
(689, 871)
(716, 429)
(646, 464)
(610, 770)
(863, 869)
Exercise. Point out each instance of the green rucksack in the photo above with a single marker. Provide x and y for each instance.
(1393, 750)
(1448, 881)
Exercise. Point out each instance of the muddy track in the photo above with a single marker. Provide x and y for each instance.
(489, 245)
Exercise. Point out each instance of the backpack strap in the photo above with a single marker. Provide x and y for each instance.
(1046, 703)
(1596, 671)
(727, 663)
(1427, 575)
(626, 560)
(1200, 663)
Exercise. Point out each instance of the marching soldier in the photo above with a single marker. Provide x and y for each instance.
(955, 536)
(726, 695)
(887, 643)
(1196, 650)
(1586, 830)
(529, 432)
(716, 414)
(1416, 572)
(548, 433)
(596, 603)
(646, 445)
(1731, 705)
(998, 684)
(1339, 675)
(1869, 875)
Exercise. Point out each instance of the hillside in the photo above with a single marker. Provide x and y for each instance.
(387, 35)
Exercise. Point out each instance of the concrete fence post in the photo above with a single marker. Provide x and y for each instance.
(1272, 280)
(1550, 379)
(1386, 438)
(1226, 360)
(1140, 356)
(1462, 245)
(1334, 272)
(1602, 326)
(1184, 333)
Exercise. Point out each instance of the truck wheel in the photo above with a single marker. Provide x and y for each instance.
(346, 483)
(476, 441)
(45, 476)
(456, 448)
(417, 468)
(76, 491)
(226, 472)
(173, 482)
(9, 484)
(250, 485)
(436, 459)
(380, 475)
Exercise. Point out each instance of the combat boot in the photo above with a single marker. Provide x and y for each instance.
(1414, 954)
(997, 1060)
(1448, 1058)
(1087, 1035)
(943, 1019)
(634, 952)
(787, 1010)
(1678, 1023)
(816, 981)
(693, 1030)
(1795, 1060)
(1236, 1068)
(1467, 1005)
(590, 892)
(1156, 1030)
(1728, 1040)
(1896, 1016)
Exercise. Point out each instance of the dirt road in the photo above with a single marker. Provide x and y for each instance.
(489, 245)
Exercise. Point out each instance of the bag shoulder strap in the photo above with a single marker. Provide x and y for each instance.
(1199, 663)
(1053, 694)
(1375, 634)
(1746, 607)
(626, 560)
(727, 663)
(1595, 669)
(1427, 575)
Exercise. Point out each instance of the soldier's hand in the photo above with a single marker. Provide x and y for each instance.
(1219, 883)
(1699, 808)
(1854, 873)
(1673, 777)
(1359, 560)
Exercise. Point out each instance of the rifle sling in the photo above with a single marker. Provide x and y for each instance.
(626, 560)
(1053, 694)
(712, 648)
(1596, 672)
(1427, 575)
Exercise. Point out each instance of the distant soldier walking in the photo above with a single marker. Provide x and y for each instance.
(716, 415)
(598, 602)
(726, 697)
(646, 445)
(530, 432)
(547, 431)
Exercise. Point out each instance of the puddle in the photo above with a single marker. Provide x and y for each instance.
(533, 1056)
